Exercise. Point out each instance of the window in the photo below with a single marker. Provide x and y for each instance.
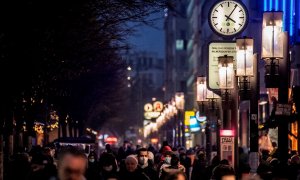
(179, 44)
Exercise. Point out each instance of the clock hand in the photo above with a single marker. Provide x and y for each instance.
(229, 18)
(231, 12)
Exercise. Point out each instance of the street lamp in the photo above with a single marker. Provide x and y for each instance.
(226, 75)
(179, 100)
(244, 62)
(275, 53)
(272, 45)
(201, 92)
(179, 103)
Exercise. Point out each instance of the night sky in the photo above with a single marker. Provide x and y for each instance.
(149, 38)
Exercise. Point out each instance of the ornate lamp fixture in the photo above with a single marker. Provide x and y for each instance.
(272, 46)
(226, 75)
(244, 62)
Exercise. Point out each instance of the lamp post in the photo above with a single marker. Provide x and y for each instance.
(272, 45)
(275, 53)
(179, 102)
(248, 85)
(201, 98)
(201, 92)
(226, 83)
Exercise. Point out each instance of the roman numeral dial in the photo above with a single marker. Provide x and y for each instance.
(228, 17)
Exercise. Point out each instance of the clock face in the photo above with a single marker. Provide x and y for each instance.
(228, 17)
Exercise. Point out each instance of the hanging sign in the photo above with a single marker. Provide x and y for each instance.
(153, 110)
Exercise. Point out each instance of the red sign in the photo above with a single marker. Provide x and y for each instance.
(111, 140)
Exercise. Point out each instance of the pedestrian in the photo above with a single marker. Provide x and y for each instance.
(131, 170)
(42, 164)
(124, 151)
(177, 176)
(214, 163)
(173, 168)
(185, 161)
(199, 167)
(145, 165)
(92, 172)
(107, 166)
(165, 161)
(223, 172)
(72, 164)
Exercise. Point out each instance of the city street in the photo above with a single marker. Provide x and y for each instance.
(150, 90)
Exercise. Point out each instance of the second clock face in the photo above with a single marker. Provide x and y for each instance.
(228, 17)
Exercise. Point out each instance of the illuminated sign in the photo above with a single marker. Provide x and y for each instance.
(200, 118)
(148, 107)
(158, 106)
(187, 116)
(225, 132)
(194, 126)
(111, 140)
(154, 140)
(150, 115)
(153, 110)
(227, 149)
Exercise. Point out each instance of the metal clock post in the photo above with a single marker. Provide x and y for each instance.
(228, 19)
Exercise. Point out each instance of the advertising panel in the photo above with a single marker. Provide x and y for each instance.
(227, 149)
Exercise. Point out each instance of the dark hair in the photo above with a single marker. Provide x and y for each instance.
(224, 162)
(221, 171)
(174, 160)
(175, 176)
(140, 150)
(107, 159)
(72, 151)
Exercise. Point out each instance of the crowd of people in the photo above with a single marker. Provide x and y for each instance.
(140, 163)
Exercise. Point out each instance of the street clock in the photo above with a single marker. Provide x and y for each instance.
(228, 18)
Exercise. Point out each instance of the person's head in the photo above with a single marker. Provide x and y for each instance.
(216, 160)
(131, 163)
(107, 147)
(47, 151)
(181, 150)
(72, 164)
(126, 144)
(107, 162)
(174, 160)
(177, 176)
(224, 172)
(165, 149)
(92, 158)
(168, 157)
(295, 160)
(112, 177)
(165, 143)
(151, 156)
(201, 155)
(142, 155)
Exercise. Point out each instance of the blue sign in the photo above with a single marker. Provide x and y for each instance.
(200, 118)
(194, 125)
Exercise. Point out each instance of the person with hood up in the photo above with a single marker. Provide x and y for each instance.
(108, 166)
(131, 170)
(173, 168)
